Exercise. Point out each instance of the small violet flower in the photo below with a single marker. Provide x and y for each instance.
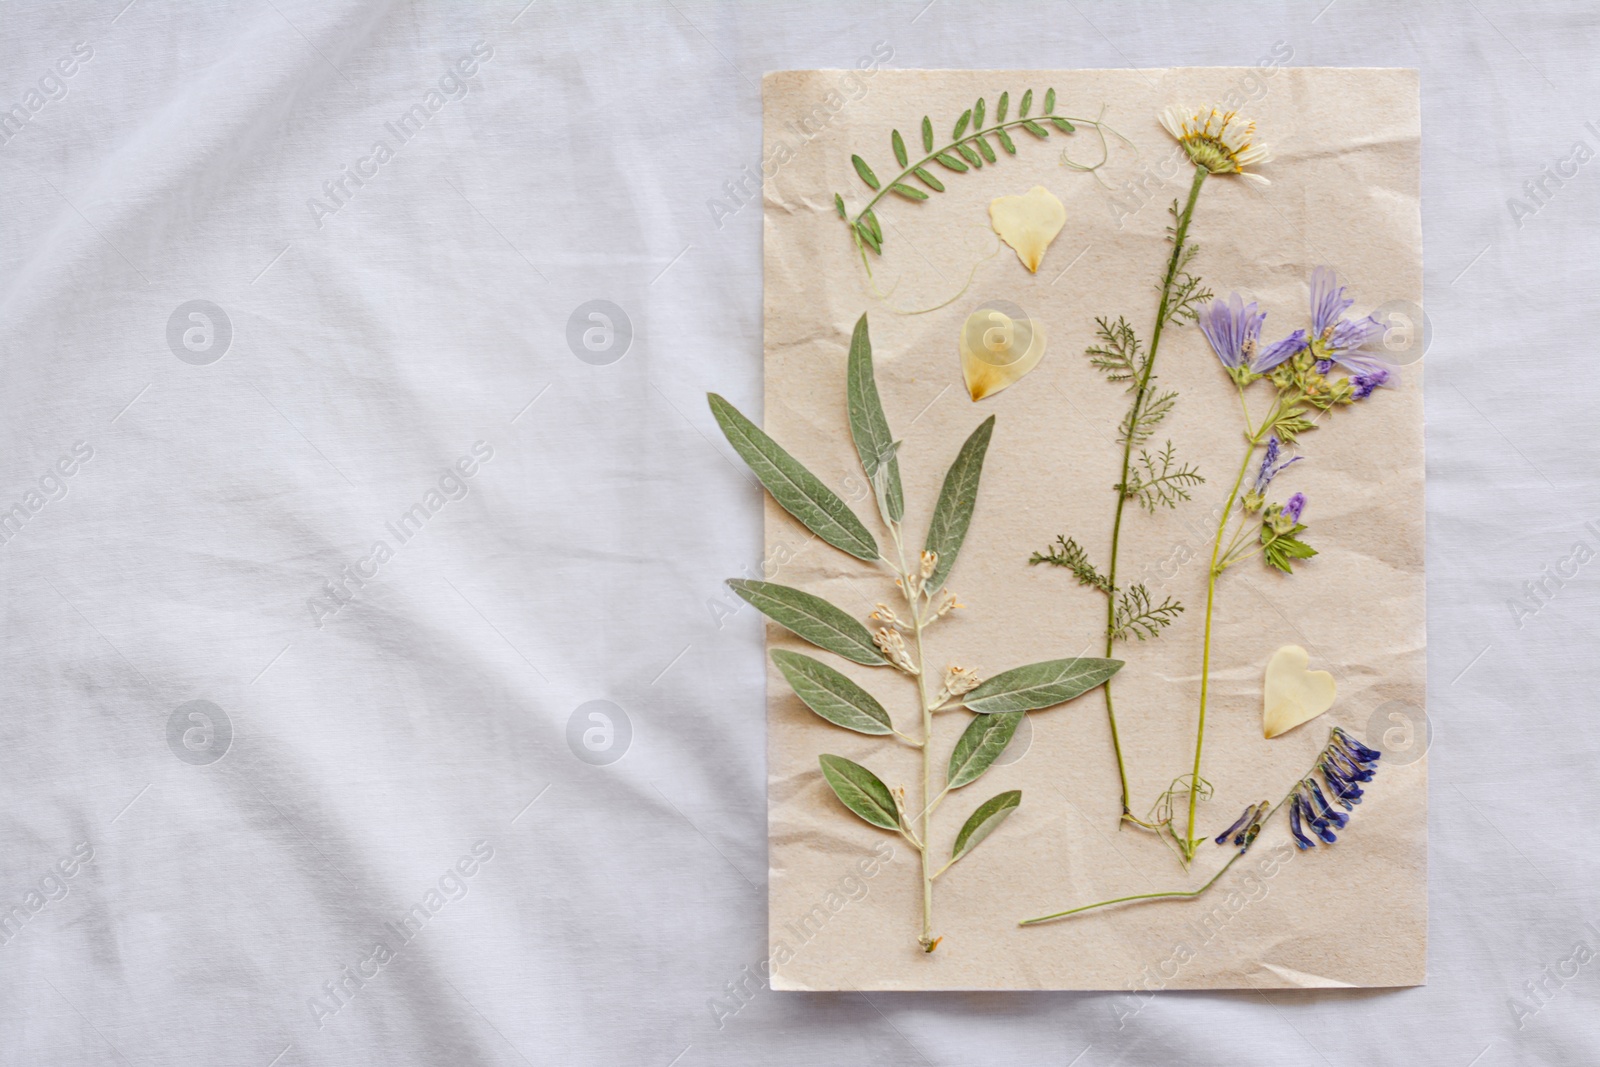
(1271, 466)
(1344, 762)
(1295, 506)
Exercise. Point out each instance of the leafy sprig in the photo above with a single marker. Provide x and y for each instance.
(1069, 554)
(997, 704)
(1138, 616)
(967, 149)
(1160, 481)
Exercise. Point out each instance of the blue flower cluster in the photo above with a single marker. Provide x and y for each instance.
(1344, 763)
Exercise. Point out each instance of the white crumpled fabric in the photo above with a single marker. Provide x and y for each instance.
(227, 780)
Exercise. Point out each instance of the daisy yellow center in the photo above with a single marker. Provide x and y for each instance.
(1216, 140)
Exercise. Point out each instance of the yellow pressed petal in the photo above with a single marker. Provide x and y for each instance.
(998, 346)
(1028, 223)
(1292, 694)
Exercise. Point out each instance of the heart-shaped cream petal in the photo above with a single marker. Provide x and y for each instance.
(998, 347)
(1293, 694)
(1028, 223)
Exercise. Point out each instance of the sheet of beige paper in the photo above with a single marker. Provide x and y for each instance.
(1344, 193)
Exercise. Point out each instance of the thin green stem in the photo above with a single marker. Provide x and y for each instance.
(1189, 843)
(1141, 391)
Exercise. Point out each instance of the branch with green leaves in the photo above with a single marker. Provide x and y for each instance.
(1155, 479)
(897, 642)
(967, 149)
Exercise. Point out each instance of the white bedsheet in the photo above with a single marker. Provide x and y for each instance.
(390, 351)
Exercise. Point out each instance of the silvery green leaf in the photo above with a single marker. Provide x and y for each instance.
(812, 618)
(869, 427)
(985, 738)
(953, 513)
(861, 791)
(835, 697)
(864, 171)
(990, 814)
(796, 489)
(1040, 685)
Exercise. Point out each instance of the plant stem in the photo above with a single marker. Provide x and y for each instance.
(1183, 892)
(927, 940)
(1180, 234)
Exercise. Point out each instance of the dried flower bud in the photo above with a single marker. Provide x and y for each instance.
(886, 616)
(959, 681)
(893, 647)
(930, 560)
(947, 604)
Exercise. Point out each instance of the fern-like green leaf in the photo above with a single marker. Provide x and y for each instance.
(1139, 423)
(1160, 480)
(1119, 354)
(1136, 616)
(1069, 554)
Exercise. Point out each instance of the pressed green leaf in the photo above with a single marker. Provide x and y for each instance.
(961, 124)
(861, 791)
(945, 159)
(927, 134)
(797, 490)
(1027, 102)
(983, 822)
(985, 738)
(834, 696)
(872, 223)
(1061, 124)
(812, 618)
(929, 180)
(838, 202)
(873, 241)
(910, 192)
(1000, 108)
(1035, 129)
(977, 114)
(953, 513)
(984, 149)
(969, 155)
(1040, 685)
(899, 147)
(1006, 142)
(869, 427)
(1049, 101)
(865, 171)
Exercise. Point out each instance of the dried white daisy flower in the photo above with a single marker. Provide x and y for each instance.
(1219, 141)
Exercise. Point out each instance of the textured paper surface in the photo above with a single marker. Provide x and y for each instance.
(1344, 194)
